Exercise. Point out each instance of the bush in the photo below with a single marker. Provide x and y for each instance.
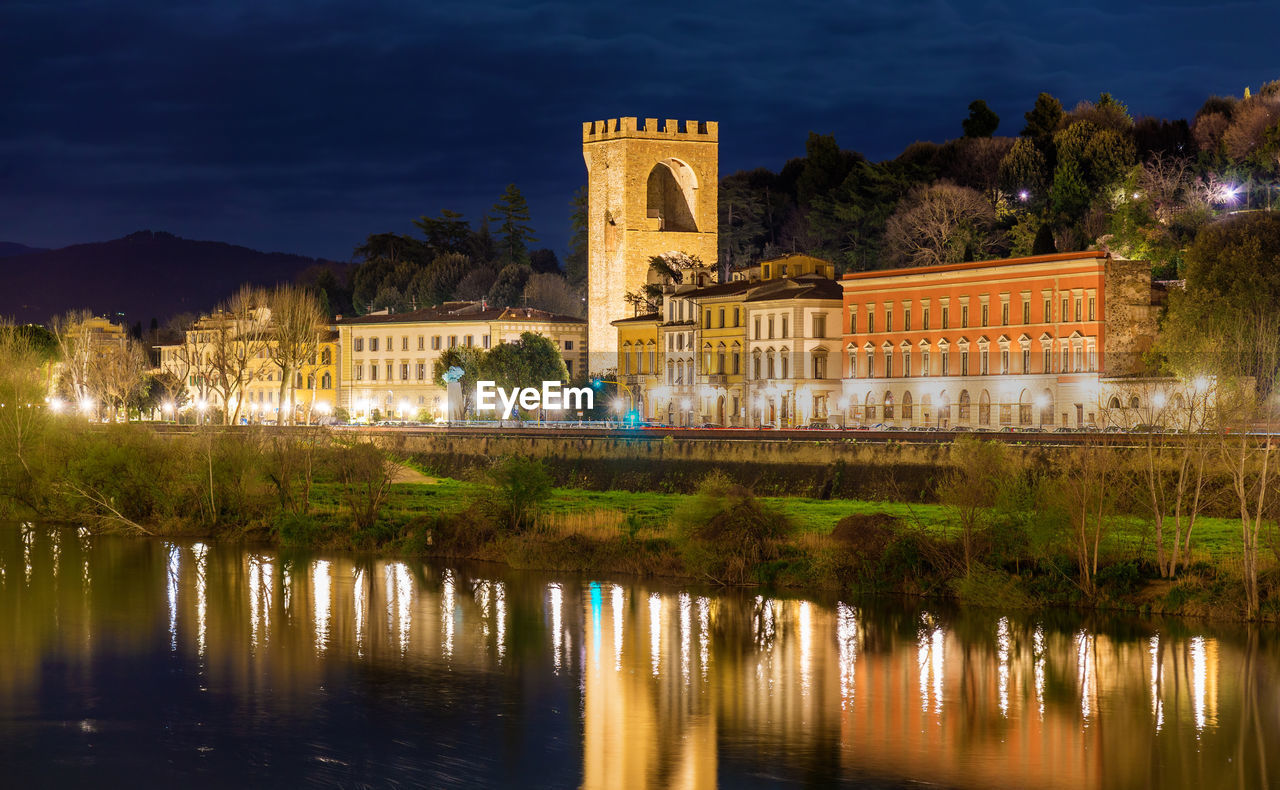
(520, 487)
(864, 537)
(365, 473)
(990, 587)
(726, 533)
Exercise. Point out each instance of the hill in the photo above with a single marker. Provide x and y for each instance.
(8, 248)
(145, 275)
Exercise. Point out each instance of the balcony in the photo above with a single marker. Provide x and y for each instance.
(718, 380)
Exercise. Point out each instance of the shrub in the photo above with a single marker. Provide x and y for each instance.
(864, 538)
(990, 587)
(726, 533)
(365, 474)
(520, 486)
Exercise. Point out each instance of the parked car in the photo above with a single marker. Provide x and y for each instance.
(819, 425)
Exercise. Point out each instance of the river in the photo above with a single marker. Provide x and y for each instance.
(145, 662)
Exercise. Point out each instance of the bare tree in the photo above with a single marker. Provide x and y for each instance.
(296, 324)
(552, 293)
(1084, 491)
(116, 376)
(22, 414)
(75, 346)
(1169, 183)
(942, 223)
(236, 336)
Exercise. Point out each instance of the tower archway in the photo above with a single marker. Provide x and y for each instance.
(671, 196)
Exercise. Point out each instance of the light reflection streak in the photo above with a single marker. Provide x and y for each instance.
(482, 596)
(1002, 655)
(500, 614)
(260, 574)
(704, 635)
(201, 553)
(929, 640)
(1157, 704)
(655, 630)
(83, 534)
(360, 603)
(172, 574)
(55, 549)
(1199, 673)
(617, 627)
(686, 635)
(847, 636)
(1084, 669)
(321, 591)
(1038, 654)
(404, 607)
(557, 601)
(806, 654)
(597, 604)
(28, 540)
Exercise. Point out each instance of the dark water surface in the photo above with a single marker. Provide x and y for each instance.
(143, 663)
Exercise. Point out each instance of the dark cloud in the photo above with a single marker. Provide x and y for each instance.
(303, 126)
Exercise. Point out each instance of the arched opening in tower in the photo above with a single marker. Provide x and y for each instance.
(671, 185)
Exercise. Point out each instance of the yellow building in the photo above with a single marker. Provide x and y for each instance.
(313, 394)
(387, 359)
(640, 362)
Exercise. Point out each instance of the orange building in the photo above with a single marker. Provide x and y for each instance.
(1035, 342)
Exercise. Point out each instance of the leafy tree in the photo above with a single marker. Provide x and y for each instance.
(392, 247)
(437, 283)
(511, 213)
(1024, 169)
(1091, 160)
(544, 261)
(982, 120)
(449, 233)
(575, 265)
(1043, 119)
(475, 284)
(1238, 258)
(527, 362)
(470, 360)
(508, 288)
(823, 168)
(520, 487)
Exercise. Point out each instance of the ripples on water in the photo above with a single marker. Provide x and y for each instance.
(130, 661)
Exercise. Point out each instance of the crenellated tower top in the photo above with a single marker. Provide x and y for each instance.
(649, 129)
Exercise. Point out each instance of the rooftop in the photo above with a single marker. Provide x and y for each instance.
(462, 312)
(956, 267)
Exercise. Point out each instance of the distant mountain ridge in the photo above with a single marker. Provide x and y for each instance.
(9, 248)
(145, 275)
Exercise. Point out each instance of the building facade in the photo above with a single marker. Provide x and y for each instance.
(1026, 342)
(388, 359)
(651, 190)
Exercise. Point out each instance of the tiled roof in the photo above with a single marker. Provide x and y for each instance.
(955, 267)
(462, 311)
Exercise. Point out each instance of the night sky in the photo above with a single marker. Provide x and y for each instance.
(304, 126)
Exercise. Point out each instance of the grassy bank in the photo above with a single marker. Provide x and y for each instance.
(310, 489)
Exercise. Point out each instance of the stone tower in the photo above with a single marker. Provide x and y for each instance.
(650, 189)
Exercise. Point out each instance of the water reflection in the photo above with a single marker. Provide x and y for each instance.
(264, 662)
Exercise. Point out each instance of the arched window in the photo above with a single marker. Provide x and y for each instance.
(671, 196)
(1114, 403)
(871, 408)
(1046, 408)
(984, 408)
(1133, 402)
(888, 406)
(1024, 408)
(326, 357)
(964, 406)
(906, 405)
(326, 382)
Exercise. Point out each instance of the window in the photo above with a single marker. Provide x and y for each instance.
(1079, 303)
(755, 366)
(820, 366)
(737, 363)
(707, 322)
(435, 342)
(484, 340)
(1092, 302)
(453, 341)
(906, 362)
(737, 316)
(1026, 311)
(722, 318)
(1048, 314)
(326, 357)
(819, 325)
(373, 371)
(568, 345)
(871, 364)
(871, 322)
(784, 326)
(964, 316)
(1004, 360)
(946, 364)
(906, 319)
(373, 344)
(1004, 313)
(964, 363)
(924, 363)
(404, 343)
(422, 371)
(1079, 358)
(756, 328)
(984, 362)
(1066, 360)
(390, 370)
(359, 370)
(888, 364)
(985, 308)
(468, 340)
(964, 405)
(391, 343)
(946, 318)
(926, 319)
(422, 342)
(888, 319)
(785, 360)
(1066, 310)
(1047, 361)
(359, 343)
(404, 371)
(1093, 358)
(771, 327)
(326, 382)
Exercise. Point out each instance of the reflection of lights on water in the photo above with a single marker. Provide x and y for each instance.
(173, 596)
(1038, 654)
(55, 549)
(360, 603)
(500, 615)
(259, 599)
(201, 552)
(597, 604)
(1199, 675)
(686, 635)
(704, 635)
(557, 601)
(482, 595)
(655, 630)
(28, 540)
(847, 637)
(1157, 704)
(763, 626)
(929, 644)
(83, 534)
(1002, 654)
(399, 599)
(1085, 671)
(286, 585)
(617, 596)
(321, 591)
(806, 631)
